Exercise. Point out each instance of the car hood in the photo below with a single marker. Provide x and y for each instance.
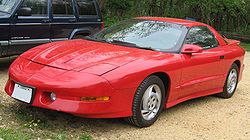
(83, 55)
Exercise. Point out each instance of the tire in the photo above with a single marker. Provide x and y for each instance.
(149, 100)
(231, 82)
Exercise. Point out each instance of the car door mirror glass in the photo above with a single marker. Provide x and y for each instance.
(190, 49)
(24, 11)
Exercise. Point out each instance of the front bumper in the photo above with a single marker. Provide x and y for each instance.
(69, 88)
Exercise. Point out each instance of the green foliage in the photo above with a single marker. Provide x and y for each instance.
(21, 122)
(111, 20)
(25, 134)
(10, 134)
(116, 5)
(246, 46)
(223, 15)
(85, 137)
(60, 136)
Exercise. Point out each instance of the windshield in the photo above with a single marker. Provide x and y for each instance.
(146, 34)
(6, 6)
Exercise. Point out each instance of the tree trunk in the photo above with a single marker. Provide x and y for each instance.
(102, 4)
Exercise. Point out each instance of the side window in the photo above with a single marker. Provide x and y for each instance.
(86, 7)
(201, 36)
(62, 7)
(38, 7)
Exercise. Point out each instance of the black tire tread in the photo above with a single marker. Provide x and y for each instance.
(225, 94)
(133, 119)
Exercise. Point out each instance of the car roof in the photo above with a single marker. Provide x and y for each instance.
(187, 23)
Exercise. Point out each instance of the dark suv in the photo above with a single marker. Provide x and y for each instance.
(28, 23)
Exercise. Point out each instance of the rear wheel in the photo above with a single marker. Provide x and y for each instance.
(231, 82)
(148, 102)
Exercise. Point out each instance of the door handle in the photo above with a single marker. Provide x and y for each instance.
(222, 57)
(45, 21)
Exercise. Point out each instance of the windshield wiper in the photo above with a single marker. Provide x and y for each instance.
(118, 42)
(4, 12)
(148, 48)
(128, 44)
(94, 39)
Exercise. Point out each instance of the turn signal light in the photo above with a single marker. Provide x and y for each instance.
(104, 98)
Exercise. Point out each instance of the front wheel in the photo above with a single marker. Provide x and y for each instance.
(231, 82)
(148, 102)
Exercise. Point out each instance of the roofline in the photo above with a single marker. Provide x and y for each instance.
(184, 22)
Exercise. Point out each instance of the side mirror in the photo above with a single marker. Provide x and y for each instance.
(190, 49)
(24, 11)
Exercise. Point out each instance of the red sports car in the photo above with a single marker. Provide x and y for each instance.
(133, 69)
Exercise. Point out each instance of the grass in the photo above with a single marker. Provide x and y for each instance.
(19, 121)
(11, 134)
(21, 133)
(22, 122)
(246, 46)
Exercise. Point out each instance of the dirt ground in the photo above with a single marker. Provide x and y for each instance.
(204, 118)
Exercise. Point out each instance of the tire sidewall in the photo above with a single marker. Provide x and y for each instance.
(234, 66)
(141, 90)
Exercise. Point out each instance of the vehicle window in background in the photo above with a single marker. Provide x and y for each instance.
(157, 35)
(6, 6)
(201, 36)
(86, 7)
(39, 7)
(62, 7)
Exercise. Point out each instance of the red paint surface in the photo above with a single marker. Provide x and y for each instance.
(81, 68)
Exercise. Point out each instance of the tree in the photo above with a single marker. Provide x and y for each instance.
(224, 15)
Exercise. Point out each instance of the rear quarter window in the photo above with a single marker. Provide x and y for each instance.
(86, 7)
(62, 7)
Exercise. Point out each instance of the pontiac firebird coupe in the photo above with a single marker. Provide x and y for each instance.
(133, 70)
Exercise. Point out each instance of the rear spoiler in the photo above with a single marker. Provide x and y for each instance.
(232, 42)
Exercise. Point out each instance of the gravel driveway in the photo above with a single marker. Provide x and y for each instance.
(203, 118)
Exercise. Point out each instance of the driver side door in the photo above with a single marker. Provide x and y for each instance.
(27, 31)
(202, 71)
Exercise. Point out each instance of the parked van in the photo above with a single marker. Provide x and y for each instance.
(28, 23)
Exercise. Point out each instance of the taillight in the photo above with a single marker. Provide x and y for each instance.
(102, 25)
